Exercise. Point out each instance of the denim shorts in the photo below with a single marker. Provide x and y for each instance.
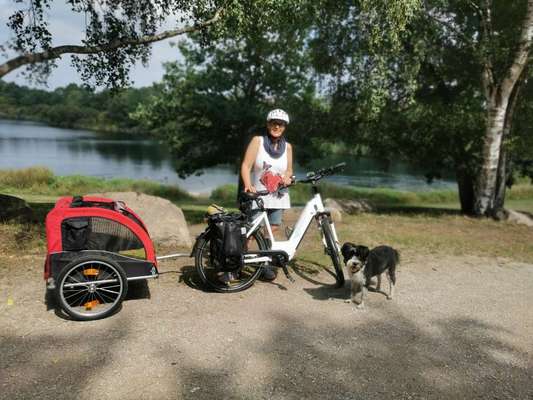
(274, 215)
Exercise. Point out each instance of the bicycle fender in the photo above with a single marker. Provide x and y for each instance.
(200, 236)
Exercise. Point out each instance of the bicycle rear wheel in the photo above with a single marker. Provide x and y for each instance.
(333, 251)
(214, 278)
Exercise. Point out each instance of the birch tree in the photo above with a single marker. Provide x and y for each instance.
(498, 92)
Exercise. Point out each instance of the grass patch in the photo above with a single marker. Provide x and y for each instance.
(300, 194)
(27, 178)
(42, 182)
(520, 192)
(427, 235)
(16, 239)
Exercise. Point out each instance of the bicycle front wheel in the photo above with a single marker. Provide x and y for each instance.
(214, 278)
(333, 251)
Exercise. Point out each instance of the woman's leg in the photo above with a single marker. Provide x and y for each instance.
(274, 217)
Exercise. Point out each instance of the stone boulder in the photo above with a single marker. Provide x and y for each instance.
(355, 206)
(348, 206)
(519, 217)
(334, 209)
(165, 221)
(14, 209)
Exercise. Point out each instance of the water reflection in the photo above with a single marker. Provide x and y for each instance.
(68, 152)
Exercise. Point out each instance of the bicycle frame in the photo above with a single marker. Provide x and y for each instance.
(313, 208)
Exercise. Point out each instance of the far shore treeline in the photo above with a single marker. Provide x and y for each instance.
(74, 106)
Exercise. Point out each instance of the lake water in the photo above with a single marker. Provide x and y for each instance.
(71, 152)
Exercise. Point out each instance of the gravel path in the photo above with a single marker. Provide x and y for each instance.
(459, 328)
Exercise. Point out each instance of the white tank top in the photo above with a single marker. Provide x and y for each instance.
(264, 162)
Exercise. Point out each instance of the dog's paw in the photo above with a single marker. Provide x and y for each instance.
(359, 307)
(389, 297)
(347, 301)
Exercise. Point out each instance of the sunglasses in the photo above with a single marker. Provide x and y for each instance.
(275, 122)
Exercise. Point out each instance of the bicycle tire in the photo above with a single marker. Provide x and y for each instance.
(210, 276)
(333, 252)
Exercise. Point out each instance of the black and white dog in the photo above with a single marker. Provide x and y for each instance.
(363, 264)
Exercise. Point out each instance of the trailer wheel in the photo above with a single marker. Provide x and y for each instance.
(90, 288)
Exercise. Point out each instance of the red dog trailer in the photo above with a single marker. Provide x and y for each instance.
(94, 247)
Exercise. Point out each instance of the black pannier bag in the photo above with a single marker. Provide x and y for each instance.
(228, 240)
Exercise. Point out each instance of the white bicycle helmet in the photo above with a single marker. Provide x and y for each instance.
(278, 114)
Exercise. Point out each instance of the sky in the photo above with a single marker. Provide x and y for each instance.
(67, 28)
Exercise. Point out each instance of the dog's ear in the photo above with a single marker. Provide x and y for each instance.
(346, 250)
(362, 252)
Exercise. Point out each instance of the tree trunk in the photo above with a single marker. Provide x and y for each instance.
(503, 172)
(465, 183)
(487, 178)
(497, 94)
(501, 180)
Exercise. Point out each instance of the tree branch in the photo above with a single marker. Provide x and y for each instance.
(58, 51)
(486, 37)
(465, 39)
(522, 53)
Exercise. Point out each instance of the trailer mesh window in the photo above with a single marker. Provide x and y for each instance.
(96, 233)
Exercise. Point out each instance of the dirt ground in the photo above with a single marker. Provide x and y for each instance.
(459, 328)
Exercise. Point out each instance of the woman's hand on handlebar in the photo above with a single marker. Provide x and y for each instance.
(288, 180)
(250, 189)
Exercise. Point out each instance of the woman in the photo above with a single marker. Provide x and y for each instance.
(266, 157)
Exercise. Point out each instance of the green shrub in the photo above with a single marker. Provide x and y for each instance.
(226, 194)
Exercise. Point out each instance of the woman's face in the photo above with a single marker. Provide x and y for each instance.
(276, 128)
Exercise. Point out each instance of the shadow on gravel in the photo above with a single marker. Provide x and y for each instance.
(328, 293)
(310, 271)
(138, 290)
(391, 358)
(190, 277)
(61, 366)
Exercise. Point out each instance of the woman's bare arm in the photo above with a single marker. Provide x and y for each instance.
(248, 162)
(289, 172)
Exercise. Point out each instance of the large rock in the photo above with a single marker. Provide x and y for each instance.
(14, 209)
(348, 206)
(334, 209)
(164, 220)
(519, 218)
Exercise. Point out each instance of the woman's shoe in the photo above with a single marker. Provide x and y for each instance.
(228, 278)
(268, 274)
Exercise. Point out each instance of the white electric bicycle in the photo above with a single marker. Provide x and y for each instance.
(260, 251)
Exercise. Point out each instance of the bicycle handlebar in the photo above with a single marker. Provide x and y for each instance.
(312, 177)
